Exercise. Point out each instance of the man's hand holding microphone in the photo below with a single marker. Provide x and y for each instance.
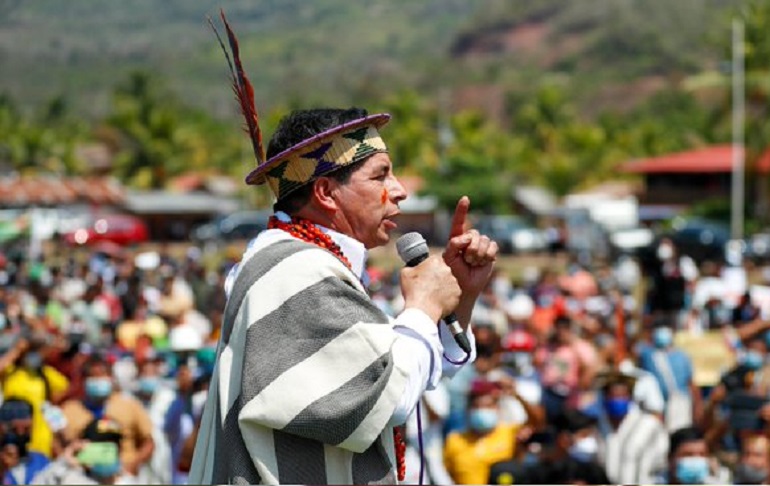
(447, 286)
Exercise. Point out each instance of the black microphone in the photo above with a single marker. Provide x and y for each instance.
(413, 250)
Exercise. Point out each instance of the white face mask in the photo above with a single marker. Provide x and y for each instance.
(585, 449)
(665, 252)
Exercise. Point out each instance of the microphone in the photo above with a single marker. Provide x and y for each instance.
(413, 250)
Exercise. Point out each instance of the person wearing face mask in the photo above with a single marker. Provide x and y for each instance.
(469, 455)
(518, 357)
(156, 397)
(567, 366)
(632, 442)
(754, 464)
(568, 453)
(734, 408)
(25, 376)
(673, 371)
(180, 418)
(92, 458)
(19, 464)
(689, 461)
(576, 438)
(102, 400)
(671, 277)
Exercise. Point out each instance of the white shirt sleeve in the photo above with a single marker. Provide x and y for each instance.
(420, 349)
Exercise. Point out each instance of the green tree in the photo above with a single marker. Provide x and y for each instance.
(158, 138)
(44, 142)
(480, 162)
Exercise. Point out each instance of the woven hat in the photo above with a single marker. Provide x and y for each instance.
(321, 154)
(309, 159)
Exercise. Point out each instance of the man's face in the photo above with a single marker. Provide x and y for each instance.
(756, 454)
(368, 202)
(184, 379)
(689, 462)
(694, 448)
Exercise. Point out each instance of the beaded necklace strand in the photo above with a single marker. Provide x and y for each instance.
(305, 230)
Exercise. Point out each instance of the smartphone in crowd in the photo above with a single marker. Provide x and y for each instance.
(98, 453)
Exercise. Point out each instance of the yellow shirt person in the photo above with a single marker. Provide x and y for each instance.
(26, 384)
(469, 455)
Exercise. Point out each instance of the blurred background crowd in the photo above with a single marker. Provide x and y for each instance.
(649, 369)
(617, 151)
(105, 366)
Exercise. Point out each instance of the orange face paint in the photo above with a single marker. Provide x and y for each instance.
(384, 197)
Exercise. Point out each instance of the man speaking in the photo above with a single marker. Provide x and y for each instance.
(311, 377)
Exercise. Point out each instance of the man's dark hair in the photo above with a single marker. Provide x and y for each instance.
(301, 125)
(15, 408)
(96, 361)
(571, 420)
(103, 430)
(563, 322)
(682, 436)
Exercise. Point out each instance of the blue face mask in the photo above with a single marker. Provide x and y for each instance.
(617, 408)
(148, 384)
(33, 360)
(482, 419)
(662, 337)
(530, 459)
(103, 471)
(753, 360)
(98, 387)
(692, 470)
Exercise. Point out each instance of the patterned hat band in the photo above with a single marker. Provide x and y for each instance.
(325, 153)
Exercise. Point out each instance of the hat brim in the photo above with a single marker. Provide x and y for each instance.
(607, 378)
(257, 176)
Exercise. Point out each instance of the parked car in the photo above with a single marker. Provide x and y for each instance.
(758, 247)
(700, 239)
(122, 229)
(242, 225)
(630, 241)
(512, 233)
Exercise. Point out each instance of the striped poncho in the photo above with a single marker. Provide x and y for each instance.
(305, 382)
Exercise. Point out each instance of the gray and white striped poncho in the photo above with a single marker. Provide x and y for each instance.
(305, 381)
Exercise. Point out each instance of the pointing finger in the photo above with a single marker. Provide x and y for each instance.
(460, 216)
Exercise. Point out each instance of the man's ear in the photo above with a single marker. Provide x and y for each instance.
(324, 191)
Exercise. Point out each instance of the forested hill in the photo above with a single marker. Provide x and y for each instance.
(341, 51)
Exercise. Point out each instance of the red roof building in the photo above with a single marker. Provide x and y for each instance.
(714, 159)
(688, 177)
(50, 191)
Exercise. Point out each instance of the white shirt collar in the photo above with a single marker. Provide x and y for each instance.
(354, 250)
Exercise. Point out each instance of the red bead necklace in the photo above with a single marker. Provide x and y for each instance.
(400, 444)
(305, 230)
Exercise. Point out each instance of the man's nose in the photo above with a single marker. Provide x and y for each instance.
(396, 191)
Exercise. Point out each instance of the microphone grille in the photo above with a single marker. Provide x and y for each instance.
(411, 245)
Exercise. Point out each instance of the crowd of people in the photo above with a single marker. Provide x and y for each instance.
(105, 363)
(105, 366)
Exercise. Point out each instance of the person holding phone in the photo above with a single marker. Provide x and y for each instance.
(92, 459)
(103, 400)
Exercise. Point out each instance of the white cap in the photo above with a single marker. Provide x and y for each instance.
(184, 338)
(521, 307)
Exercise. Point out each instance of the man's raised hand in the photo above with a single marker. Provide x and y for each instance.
(470, 255)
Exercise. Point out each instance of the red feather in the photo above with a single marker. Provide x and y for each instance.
(244, 91)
